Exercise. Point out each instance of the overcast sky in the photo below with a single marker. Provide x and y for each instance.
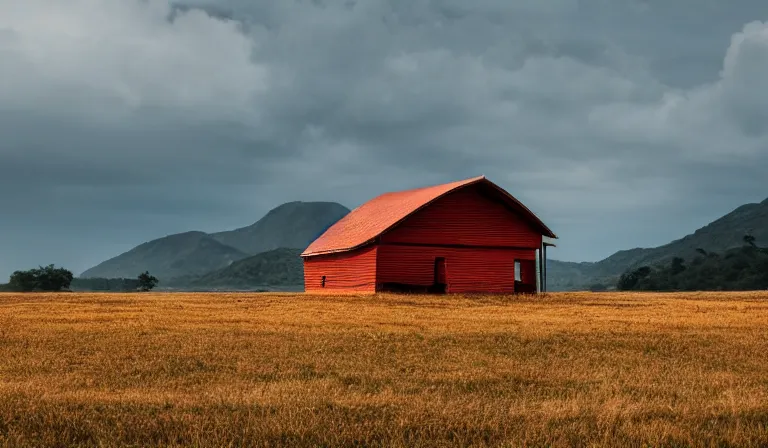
(621, 123)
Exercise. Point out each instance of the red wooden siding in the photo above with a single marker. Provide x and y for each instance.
(344, 272)
(466, 269)
(465, 217)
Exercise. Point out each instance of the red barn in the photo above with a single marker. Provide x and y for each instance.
(466, 236)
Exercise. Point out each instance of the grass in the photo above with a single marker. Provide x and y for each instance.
(571, 369)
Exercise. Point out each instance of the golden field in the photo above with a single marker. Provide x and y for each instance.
(570, 369)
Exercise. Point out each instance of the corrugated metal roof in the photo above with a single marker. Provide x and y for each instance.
(363, 224)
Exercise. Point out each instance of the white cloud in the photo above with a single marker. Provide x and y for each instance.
(105, 57)
(744, 84)
(720, 122)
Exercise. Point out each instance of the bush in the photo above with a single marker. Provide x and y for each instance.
(47, 278)
(147, 282)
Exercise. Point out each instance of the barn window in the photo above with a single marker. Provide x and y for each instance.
(322, 282)
(518, 276)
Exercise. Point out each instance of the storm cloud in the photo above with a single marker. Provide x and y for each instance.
(621, 123)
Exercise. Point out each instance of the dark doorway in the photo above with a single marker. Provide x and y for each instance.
(439, 283)
(525, 276)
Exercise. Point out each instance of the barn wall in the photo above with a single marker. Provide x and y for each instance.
(465, 217)
(344, 272)
(467, 269)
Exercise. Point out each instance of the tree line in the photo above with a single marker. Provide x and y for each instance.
(52, 279)
(740, 269)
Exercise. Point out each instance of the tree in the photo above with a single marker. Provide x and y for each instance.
(678, 265)
(738, 269)
(629, 280)
(47, 278)
(23, 281)
(50, 278)
(749, 240)
(147, 282)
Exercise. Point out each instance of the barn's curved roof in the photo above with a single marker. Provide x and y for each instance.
(363, 224)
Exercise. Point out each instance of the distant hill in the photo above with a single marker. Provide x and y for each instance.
(190, 253)
(276, 267)
(719, 236)
(186, 256)
(741, 269)
(291, 225)
(190, 256)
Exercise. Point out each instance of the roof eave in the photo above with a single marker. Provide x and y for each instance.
(335, 251)
(473, 181)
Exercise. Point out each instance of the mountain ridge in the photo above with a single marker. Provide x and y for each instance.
(294, 225)
(281, 266)
(194, 253)
(724, 233)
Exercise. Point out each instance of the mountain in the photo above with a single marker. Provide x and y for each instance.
(718, 236)
(190, 253)
(291, 225)
(276, 267)
(186, 256)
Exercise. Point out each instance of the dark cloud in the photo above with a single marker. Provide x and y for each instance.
(621, 123)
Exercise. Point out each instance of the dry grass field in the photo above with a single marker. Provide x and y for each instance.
(290, 370)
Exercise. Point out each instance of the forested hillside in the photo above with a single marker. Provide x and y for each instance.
(741, 269)
(718, 236)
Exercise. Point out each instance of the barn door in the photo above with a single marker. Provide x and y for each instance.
(439, 283)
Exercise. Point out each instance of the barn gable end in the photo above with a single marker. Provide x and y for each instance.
(467, 217)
